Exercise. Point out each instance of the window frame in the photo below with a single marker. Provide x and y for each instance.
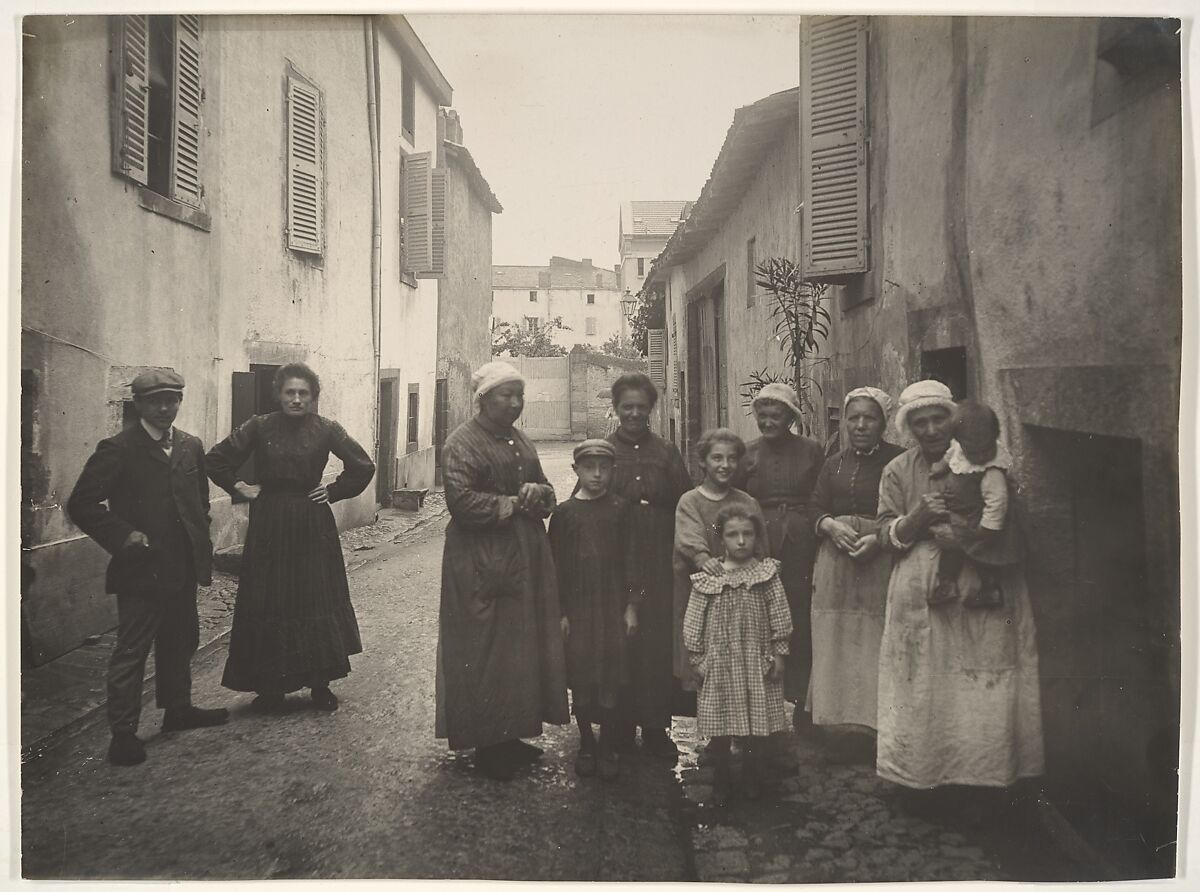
(129, 115)
(408, 103)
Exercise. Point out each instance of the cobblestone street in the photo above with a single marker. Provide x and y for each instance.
(368, 792)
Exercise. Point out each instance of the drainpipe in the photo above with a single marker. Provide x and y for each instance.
(372, 47)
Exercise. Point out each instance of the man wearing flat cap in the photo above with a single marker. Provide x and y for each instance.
(155, 526)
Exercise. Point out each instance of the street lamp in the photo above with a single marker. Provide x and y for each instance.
(628, 310)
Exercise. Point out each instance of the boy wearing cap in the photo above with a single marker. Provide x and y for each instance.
(155, 526)
(594, 554)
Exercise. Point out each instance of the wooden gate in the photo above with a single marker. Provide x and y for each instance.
(547, 414)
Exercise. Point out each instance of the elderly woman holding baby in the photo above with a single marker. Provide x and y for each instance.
(959, 701)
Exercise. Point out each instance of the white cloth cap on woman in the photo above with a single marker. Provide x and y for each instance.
(491, 375)
(920, 394)
(880, 397)
(780, 393)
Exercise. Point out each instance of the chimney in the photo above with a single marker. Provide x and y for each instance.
(586, 263)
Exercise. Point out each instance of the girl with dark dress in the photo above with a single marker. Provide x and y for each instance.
(651, 476)
(293, 624)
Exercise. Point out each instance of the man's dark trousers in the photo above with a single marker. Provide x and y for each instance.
(130, 484)
(170, 623)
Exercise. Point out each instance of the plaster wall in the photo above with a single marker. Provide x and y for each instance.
(129, 288)
(464, 342)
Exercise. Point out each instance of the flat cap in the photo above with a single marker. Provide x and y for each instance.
(155, 381)
(595, 447)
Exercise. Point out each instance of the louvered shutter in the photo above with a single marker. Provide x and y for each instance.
(131, 96)
(833, 149)
(656, 351)
(418, 212)
(438, 218)
(185, 146)
(305, 191)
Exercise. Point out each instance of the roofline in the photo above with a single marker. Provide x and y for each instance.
(479, 184)
(402, 34)
(697, 224)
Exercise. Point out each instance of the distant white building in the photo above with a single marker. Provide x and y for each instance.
(585, 297)
(644, 229)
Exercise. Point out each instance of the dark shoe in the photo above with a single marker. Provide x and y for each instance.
(802, 722)
(610, 766)
(269, 704)
(656, 742)
(126, 749)
(493, 762)
(188, 717)
(943, 592)
(585, 763)
(520, 751)
(324, 699)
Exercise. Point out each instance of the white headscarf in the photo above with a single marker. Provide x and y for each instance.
(780, 393)
(920, 394)
(871, 393)
(491, 375)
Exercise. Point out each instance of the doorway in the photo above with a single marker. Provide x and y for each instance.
(385, 458)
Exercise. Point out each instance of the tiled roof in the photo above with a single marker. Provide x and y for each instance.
(517, 276)
(561, 273)
(652, 217)
(755, 130)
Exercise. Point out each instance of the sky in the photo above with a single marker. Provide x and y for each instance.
(569, 115)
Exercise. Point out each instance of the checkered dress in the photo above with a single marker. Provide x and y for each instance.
(734, 626)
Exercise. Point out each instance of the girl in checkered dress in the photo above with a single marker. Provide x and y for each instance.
(736, 632)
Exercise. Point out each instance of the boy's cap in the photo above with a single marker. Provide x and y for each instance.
(156, 381)
(595, 447)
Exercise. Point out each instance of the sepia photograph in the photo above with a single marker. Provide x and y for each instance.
(665, 447)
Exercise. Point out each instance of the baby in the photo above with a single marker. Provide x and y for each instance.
(974, 472)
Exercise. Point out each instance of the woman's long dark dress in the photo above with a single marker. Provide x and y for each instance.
(501, 670)
(293, 624)
(781, 475)
(651, 476)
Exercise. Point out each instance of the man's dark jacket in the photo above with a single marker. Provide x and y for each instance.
(146, 490)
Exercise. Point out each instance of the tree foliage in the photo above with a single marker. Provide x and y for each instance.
(801, 324)
(619, 347)
(509, 339)
(651, 313)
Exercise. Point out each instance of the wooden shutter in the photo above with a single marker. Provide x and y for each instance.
(418, 211)
(131, 96)
(833, 147)
(438, 217)
(656, 350)
(188, 93)
(306, 174)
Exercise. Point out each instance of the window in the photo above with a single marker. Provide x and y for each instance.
(408, 104)
(833, 137)
(424, 215)
(641, 266)
(751, 275)
(950, 367)
(305, 167)
(531, 323)
(414, 416)
(590, 325)
(656, 354)
(533, 297)
(157, 99)
(591, 298)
